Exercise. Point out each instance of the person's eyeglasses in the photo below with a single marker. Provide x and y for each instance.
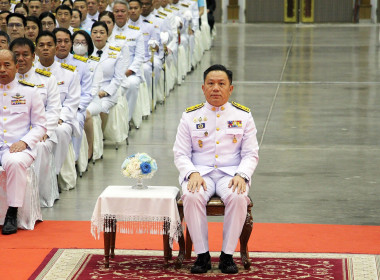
(4, 3)
(13, 25)
(48, 24)
(84, 43)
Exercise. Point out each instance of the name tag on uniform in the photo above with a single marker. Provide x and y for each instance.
(234, 124)
(201, 125)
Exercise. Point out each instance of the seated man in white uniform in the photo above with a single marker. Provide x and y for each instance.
(216, 152)
(22, 126)
(46, 85)
(86, 22)
(125, 35)
(70, 90)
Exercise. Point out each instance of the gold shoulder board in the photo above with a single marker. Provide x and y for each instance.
(168, 10)
(81, 58)
(195, 107)
(25, 83)
(148, 21)
(162, 14)
(94, 58)
(115, 49)
(68, 67)
(76, 29)
(134, 27)
(241, 107)
(42, 72)
(174, 8)
(184, 5)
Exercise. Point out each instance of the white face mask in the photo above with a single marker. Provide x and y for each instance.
(79, 49)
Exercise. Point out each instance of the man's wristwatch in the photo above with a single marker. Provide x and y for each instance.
(245, 177)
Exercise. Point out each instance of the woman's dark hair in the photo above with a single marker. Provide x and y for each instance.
(22, 5)
(100, 23)
(107, 13)
(90, 44)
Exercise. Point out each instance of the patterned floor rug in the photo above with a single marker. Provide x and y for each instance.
(88, 264)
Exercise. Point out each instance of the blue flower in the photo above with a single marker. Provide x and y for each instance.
(145, 168)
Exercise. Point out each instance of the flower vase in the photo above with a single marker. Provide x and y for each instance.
(139, 185)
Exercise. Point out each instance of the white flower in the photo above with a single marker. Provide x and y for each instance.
(131, 167)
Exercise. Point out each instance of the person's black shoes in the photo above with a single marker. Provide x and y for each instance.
(202, 264)
(226, 264)
(10, 222)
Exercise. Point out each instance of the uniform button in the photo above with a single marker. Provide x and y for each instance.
(5, 94)
(215, 166)
(217, 129)
(218, 115)
(5, 107)
(216, 156)
(213, 109)
(8, 87)
(222, 108)
(5, 131)
(217, 142)
(5, 141)
(26, 75)
(20, 76)
(5, 119)
(1, 86)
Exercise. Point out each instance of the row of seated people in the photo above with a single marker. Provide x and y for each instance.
(83, 76)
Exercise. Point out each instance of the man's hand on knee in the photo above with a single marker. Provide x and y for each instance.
(18, 147)
(238, 183)
(195, 182)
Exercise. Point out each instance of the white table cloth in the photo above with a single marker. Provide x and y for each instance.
(138, 211)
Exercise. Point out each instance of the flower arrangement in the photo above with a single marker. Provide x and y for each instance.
(139, 166)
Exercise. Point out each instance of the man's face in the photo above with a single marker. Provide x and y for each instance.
(3, 22)
(45, 48)
(164, 3)
(55, 4)
(102, 6)
(92, 7)
(5, 5)
(175, 1)
(35, 8)
(120, 12)
(15, 28)
(156, 4)
(8, 68)
(146, 7)
(3, 43)
(134, 11)
(63, 44)
(217, 88)
(46, 5)
(81, 6)
(64, 18)
(24, 57)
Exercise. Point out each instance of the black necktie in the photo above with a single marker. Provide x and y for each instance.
(99, 52)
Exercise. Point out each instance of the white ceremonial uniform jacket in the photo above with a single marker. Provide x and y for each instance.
(69, 89)
(87, 24)
(22, 114)
(46, 85)
(113, 63)
(80, 63)
(131, 37)
(149, 33)
(193, 6)
(222, 138)
(168, 14)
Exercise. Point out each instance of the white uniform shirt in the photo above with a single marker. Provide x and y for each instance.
(47, 88)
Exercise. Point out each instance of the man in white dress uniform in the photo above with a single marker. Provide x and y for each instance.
(216, 152)
(23, 124)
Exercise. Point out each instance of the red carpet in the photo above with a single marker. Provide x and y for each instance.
(32, 246)
(90, 266)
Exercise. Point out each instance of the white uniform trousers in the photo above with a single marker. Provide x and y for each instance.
(131, 86)
(194, 207)
(63, 132)
(77, 141)
(148, 72)
(44, 167)
(15, 166)
(192, 49)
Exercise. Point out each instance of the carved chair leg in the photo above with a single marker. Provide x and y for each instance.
(244, 237)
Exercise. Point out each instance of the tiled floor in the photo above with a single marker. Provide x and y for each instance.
(314, 93)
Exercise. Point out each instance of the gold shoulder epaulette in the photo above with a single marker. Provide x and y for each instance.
(94, 58)
(81, 58)
(133, 27)
(168, 10)
(174, 8)
(195, 107)
(14, 2)
(184, 5)
(68, 67)
(241, 107)
(162, 14)
(148, 21)
(25, 83)
(115, 49)
(43, 72)
(76, 29)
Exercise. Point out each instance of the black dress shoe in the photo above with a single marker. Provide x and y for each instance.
(10, 226)
(226, 264)
(202, 264)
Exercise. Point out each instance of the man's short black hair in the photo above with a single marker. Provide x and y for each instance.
(218, 67)
(46, 33)
(17, 15)
(64, 8)
(22, 42)
(64, 30)
(5, 35)
(138, 1)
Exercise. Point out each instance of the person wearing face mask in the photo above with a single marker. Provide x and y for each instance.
(63, 55)
(47, 88)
